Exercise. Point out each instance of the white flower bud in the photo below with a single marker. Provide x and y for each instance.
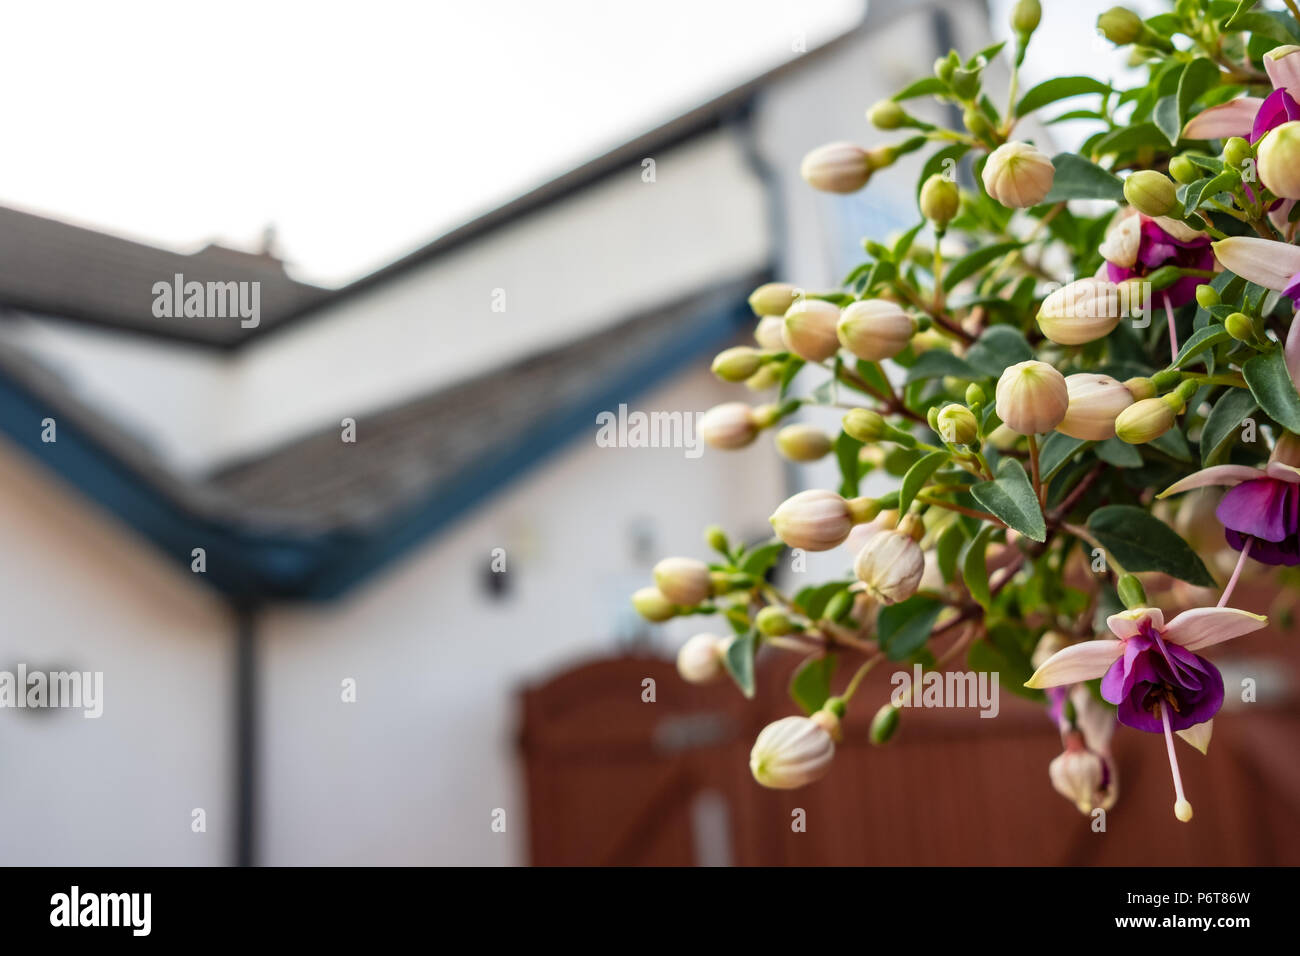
(1032, 397)
(729, 425)
(1279, 160)
(699, 661)
(1095, 403)
(890, 566)
(791, 752)
(875, 329)
(809, 330)
(768, 333)
(818, 520)
(683, 581)
(1081, 312)
(1018, 175)
(1145, 421)
(837, 168)
(1077, 775)
(1122, 242)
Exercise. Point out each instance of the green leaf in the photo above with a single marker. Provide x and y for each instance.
(759, 560)
(1199, 77)
(1076, 178)
(1208, 188)
(928, 86)
(1173, 444)
(917, 476)
(1225, 418)
(1141, 542)
(1059, 88)
(1202, 339)
(792, 367)
(903, 628)
(1271, 385)
(947, 550)
(1055, 452)
(739, 661)
(972, 262)
(937, 363)
(1167, 119)
(1129, 137)
(904, 243)
(1119, 454)
(813, 600)
(846, 454)
(1011, 497)
(999, 347)
(811, 684)
(974, 570)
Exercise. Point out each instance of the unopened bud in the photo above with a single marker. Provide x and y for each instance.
(887, 115)
(1131, 592)
(728, 426)
(684, 581)
(767, 376)
(716, 539)
(773, 298)
(1120, 26)
(737, 364)
(1081, 312)
(865, 425)
(653, 606)
(976, 123)
(957, 425)
(1140, 388)
(1032, 397)
(1095, 403)
(837, 168)
(818, 520)
(1077, 775)
(940, 200)
(1236, 151)
(1207, 297)
(1151, 192)
(1279, 161)
(1240, 326)
(773, 622)
(1025, 17)
(1184, 170)
(699, 660)
(768, 332)
(1018, 176)
(1145, 421)
(810, 329)
(803, 442)
(875, 329)
(791, 752)
(884, 724)
(890, 566)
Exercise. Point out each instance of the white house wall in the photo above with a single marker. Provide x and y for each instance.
(412, 771)
(82, 593)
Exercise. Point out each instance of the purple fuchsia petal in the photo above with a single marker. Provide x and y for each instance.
(1198, 707)
(1275, 554)
(1278, 108)
(1292, 289)
(1118, 274)
(1263, 508)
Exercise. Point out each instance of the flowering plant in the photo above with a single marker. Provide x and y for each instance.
(1000, 360)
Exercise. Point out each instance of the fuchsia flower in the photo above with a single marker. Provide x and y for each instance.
(1261, 513)
(1249, 116)
(1153, 675)
(1266, 262)
(1139, 245)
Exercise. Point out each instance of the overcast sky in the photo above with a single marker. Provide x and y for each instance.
(362, 130)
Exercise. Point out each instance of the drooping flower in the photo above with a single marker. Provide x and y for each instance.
(1249, 116)
(1132, 252)
(1261, 512)
(1152, 673)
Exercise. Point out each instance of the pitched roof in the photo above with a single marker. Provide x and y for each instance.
(56, 269)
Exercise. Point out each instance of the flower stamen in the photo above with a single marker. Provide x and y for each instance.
(1182, 809)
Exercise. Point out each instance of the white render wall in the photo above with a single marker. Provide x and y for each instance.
(82, 593)
(412, 771)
